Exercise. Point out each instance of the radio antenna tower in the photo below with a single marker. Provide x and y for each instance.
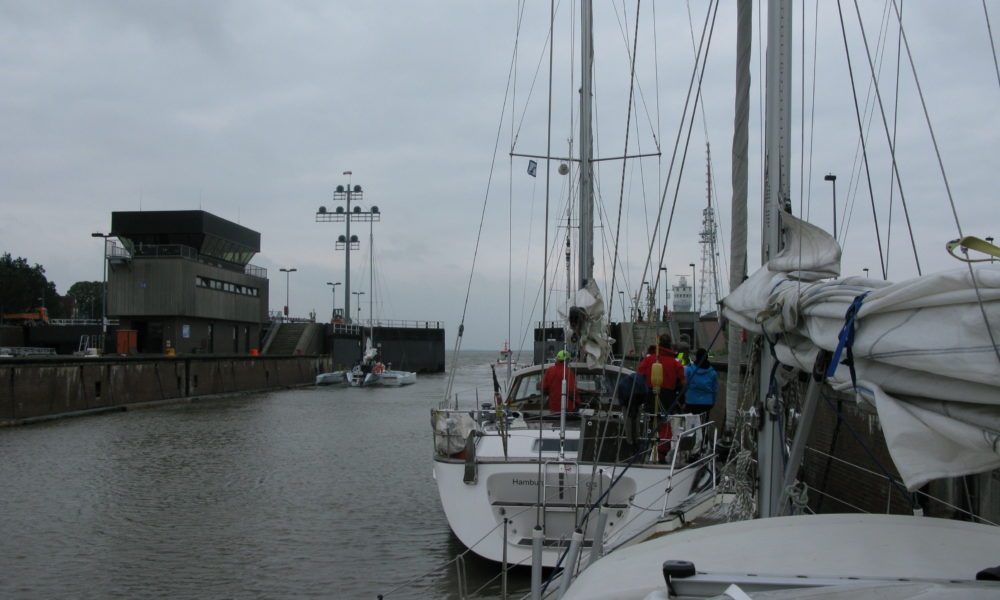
(708, 294)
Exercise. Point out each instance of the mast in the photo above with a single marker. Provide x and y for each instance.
(586, 245)
(738, 227)
(776, 198)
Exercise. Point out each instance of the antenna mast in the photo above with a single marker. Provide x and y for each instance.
(709, 287)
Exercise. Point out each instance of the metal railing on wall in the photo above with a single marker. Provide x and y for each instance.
(410, 324)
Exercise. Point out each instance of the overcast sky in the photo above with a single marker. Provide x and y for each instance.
(252, 110)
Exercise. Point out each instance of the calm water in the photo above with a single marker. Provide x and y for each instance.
(304, 493)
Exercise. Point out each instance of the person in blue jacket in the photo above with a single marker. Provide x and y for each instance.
(702, 384)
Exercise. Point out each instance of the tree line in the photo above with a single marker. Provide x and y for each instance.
(24, 288)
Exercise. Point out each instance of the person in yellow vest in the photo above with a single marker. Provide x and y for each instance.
(683, 353)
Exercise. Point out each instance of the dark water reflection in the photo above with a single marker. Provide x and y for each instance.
(305, 493)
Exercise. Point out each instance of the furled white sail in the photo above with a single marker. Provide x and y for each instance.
(584, 316)
(923, 351)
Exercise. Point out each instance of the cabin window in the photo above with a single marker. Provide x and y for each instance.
(527, 387)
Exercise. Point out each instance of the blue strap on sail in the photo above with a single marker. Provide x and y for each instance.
(846, 339)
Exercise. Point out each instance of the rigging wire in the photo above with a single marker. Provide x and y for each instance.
(710, 27)
(944, 177)
(640, 94)
(482, 221)
(889, 139)
(713, 188)
(812, 105)
(802, 118)
(989, 30)
(709, 17)
(855, 178)
(545, 265)
(895, 128)
(628, 122)
(510, 204)
(864, 146)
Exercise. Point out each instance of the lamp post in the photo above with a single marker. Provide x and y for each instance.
(104, 283)
(359, 294)
(990, 240)
(866, 272)
(333, 293)
(288, 274)
(833, 179)
(348, 242)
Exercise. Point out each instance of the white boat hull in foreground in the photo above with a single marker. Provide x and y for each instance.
(802, 552)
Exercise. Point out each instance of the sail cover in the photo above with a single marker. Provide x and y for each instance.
(923, 351)
(585, 324)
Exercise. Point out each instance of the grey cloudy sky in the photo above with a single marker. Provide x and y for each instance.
(252, 110)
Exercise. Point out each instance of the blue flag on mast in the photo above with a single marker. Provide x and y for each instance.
(532, 167)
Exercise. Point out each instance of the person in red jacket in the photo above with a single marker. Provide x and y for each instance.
(552, 384)
(673, 372)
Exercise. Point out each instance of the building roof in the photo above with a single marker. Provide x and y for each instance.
(208, 234)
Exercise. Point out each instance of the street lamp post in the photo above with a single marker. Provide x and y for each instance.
(348, 242)
(866, 272)
(104, 284)
(288, 274)
(333, 307)
(359, 294)
(990, 240)
(833, 179)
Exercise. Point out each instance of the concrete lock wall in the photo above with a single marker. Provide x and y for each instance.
(412, 348)
(36, 389)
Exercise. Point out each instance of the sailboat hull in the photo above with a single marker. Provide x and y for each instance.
(799, 552)
(496, 514)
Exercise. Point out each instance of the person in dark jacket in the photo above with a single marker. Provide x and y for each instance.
(702, 384)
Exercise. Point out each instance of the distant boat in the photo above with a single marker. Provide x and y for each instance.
(368, 370)
(395, 378)
(507, 356)
(359, 377)
(331, 378)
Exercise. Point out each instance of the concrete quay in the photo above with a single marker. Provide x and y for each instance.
(42, 388)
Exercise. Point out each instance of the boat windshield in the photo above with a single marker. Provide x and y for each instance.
(527, 387)
(591, 385)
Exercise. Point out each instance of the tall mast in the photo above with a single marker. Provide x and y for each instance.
(776, 197)
(586, 245)
(738, 219)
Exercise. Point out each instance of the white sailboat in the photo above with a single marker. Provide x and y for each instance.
(944, 423)
(526, 485)
(368, 370)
